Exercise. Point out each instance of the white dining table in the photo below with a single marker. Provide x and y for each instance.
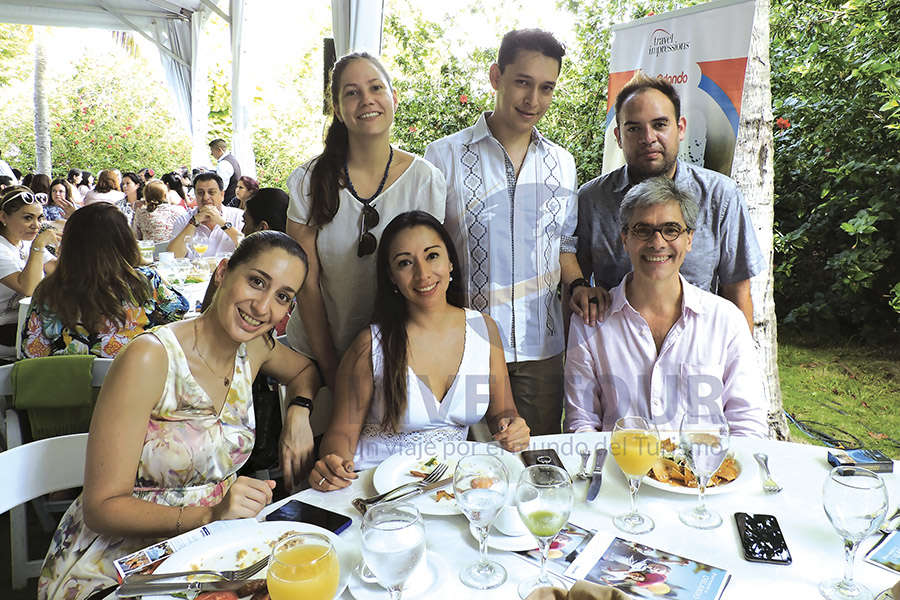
(801, 469)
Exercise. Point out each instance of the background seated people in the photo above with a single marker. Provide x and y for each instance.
(155, 217)
(173, 424)
(246, 187)
(107, 189)
(665, 346)
(393, 389)
(100, 296)
(86, 184)
(221, 225)
(176, 194)
(23, 257)
(133, 188)
(62, 201)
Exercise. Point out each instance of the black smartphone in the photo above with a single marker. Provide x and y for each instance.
(762, 539)
(547, 456)
(295, 510)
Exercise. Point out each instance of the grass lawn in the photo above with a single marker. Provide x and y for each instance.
(853, 388)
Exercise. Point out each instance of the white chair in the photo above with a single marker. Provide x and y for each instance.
(29, 472)
(24, 307)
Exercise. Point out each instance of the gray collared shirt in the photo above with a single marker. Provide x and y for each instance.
(724, 249)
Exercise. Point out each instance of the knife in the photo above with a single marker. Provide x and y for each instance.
(129, 590)
(597, 476)
(361, 506)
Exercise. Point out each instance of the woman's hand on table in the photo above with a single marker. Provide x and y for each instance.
(296, 445)
(513, 434)
(246, 497)
(331, 472)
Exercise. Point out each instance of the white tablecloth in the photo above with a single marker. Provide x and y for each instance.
(801, 469)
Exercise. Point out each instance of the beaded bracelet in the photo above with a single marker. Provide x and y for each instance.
(178, 522)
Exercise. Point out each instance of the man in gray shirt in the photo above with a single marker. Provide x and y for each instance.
(649, 127)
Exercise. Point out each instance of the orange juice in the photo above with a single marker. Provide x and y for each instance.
(201, 248)
(301, 571)
(634, 450)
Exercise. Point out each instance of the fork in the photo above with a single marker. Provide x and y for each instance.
(769, 484)
(435, 475)
(582, 472)
(235, 575)
(891, 523)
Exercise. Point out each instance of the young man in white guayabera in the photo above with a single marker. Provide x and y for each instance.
(221, 225)
(649, 127)
(511, 209)
(665, 346)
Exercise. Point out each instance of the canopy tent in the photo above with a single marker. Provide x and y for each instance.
(174, 26)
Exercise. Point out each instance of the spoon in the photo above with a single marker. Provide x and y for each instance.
(769, 484)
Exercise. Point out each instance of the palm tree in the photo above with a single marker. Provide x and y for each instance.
(41, 112)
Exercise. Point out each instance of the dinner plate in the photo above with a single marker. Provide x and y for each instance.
(424, 582)
(745, 477)
(394, 471)
(508, 543)
(246, 543)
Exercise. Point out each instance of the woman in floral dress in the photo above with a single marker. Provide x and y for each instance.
(174, 423)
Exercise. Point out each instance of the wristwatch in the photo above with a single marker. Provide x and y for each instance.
(226, 226)
(301, 401)
(578, 282)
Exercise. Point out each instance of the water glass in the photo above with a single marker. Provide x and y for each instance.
(393, 544)
(303, 566)
(856, 502)
(147, 248)
(704, 439)
(544, 498)
(480, 485)
(634, 444)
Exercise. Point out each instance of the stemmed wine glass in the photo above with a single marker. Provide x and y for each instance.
(393, 544)
(704, 439)
(480, 484)
(544, 499)
(856, 501)
(634, 444)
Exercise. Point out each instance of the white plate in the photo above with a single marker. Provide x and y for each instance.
(508, 543)
(744, 477)
(424, 582)
(395, 470)
(219, 551)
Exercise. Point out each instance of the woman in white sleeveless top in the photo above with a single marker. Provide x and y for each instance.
(425, 370)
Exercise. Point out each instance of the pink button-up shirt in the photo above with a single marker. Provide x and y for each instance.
(708, 357)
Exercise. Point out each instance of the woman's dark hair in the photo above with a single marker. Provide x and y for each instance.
(63, 182)
(327, 174)
(70, 176)
(26, 181)
(391, 312)
(174, 182)
(138, 181)
(256, 243)
(251, 184)
(85, 177)
(40, 184)
(95, 278)
(269, 205)
(107, 181)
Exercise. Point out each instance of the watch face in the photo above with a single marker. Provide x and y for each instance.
(227, 225)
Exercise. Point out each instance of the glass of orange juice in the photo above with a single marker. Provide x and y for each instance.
(304, 565)
(634, 444)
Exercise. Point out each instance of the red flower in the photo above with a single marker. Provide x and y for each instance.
(412, 129)
(92, 140)
(651, 13)
(76, 142)
(84, 109)
(109, 145)
(92, 121)
(110, 137)
(124, 135)
(782, 123)
(128, 128)
(57, 124)
(463, 99)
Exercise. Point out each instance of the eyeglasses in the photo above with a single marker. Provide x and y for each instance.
(27, 197)
(367, 241)
(669, 231)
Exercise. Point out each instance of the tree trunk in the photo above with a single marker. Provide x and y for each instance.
(752, 169)
(41, 112)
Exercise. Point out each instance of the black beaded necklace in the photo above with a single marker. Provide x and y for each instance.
(350, 187)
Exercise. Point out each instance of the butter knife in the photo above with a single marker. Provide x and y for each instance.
(597, 476)
(362, 506)
(129, 590)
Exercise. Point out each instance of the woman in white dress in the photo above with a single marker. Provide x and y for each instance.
(340, 203)
(425, 370)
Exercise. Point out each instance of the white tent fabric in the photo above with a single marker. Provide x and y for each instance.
(242, 139)
(357, 25)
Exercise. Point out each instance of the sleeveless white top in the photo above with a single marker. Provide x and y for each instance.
(426, 418)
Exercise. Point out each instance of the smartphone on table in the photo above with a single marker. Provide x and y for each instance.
(547, 456)
(301, 512)
(762, 539)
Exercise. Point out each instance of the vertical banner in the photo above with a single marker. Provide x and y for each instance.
(702, 51)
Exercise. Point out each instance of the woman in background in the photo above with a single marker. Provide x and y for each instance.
(86, 185)
(133, 187)
(176, 193)
(100, 296)
(62, 201)
(74, 179)
(155, 218)
(107, 189)
(246, 187)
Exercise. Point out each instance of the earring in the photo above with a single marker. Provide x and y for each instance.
(396, 289)
(451, 278)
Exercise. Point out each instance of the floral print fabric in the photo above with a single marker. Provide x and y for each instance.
(190, 458)
(44, 334)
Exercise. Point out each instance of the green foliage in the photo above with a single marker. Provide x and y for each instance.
(835, 78)
(14, 43)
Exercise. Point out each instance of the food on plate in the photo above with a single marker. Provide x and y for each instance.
(218, 596)
(418, 474)
(482, 483)
(672, 468)
(443, 495)
(422, 470)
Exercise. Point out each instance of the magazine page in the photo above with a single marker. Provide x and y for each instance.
(570, 542)
(886, 554)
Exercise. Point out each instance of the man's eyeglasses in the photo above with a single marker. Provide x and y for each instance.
(367, 241)
(669, 231)
(27, 197)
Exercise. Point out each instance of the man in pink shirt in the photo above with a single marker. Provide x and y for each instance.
(665, 346)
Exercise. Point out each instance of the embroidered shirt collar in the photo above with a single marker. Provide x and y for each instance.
(481, 131)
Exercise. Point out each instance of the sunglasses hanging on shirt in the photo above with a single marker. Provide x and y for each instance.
(370, 217)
